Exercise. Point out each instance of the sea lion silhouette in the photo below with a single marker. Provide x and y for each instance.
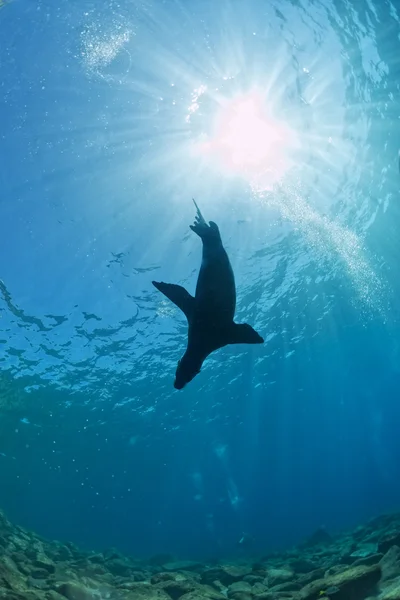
(210, 313)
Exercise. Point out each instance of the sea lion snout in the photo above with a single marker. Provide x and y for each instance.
(186, 370)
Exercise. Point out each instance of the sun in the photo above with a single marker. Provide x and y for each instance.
(245, 138)
(248, 140)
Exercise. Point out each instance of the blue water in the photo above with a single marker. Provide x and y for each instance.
(102, 106)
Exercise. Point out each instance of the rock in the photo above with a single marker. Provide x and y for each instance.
(29, 595)
(176, 589)
(346, 560)
(140, 576)
(73, 591)
(63, 553)
(335, 569)
(391, 591)
(119, 567)
(271, 596)
(217, 585)
(309, 577)
(144, 591)
(39, 574)
(113, 554)
(239, 587)
(43, 563)
(356, 583)
(65, 574)
(80, 563)
(372, 559)
(319, 537)
(125, 583)
(160, 577)
(258, 567)
(358, 533)
(302, 565)
(387, 542)
(40, 584)
(52, 595)
(289, 586)
(183, 565)
(364, 550)
(198, 595)
(21, 563)
(252, 579)
(93, 570)
(10, 577)
(380, 522)
(261, 573)
(276, 576)
(259, 588)
(390, 563)
(99, 558)
(226, 574)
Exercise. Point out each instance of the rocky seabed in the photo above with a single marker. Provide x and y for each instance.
(362, 564)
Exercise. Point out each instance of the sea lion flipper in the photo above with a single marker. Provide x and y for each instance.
(243, 334)
(177, 294)
(203, 229)
(199, 216)
(200, 226)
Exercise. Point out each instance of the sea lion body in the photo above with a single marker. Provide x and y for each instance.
(211, 311)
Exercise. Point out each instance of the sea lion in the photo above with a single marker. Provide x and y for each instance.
(210, 313)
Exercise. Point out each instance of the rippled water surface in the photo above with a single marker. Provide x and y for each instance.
(282, 120)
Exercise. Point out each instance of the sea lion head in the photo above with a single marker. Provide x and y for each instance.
(187, 369)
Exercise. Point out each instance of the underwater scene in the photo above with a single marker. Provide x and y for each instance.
(199, 299)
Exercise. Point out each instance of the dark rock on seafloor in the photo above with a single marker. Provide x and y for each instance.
(288, 586)
(177, 588)
(158, 560)
(74, 591)
(197, 595)
(390, 563)
(319, 537)
(252, 579)
(226, 574)
(277, 576)
(309, 577)
(119, 567)
(335, 569)
(302, 565)
(259, 588)
(39, 573)
(393, 539)
(390, 591)
(183, 565)
(356, 583)
(161, 577)
(239, 587)
(372, 559)
(98, 558)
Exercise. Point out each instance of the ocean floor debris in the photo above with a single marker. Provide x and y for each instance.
(358, 565)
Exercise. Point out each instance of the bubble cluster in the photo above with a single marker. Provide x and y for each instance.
(100, 48)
